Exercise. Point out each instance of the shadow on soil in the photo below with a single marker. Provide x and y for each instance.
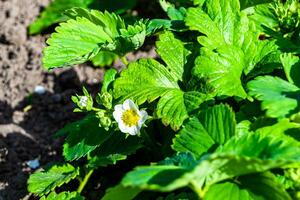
(26, 132)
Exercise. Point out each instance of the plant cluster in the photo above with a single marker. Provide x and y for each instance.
(216, 116)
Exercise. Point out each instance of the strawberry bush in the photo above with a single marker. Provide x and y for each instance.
(215, 116)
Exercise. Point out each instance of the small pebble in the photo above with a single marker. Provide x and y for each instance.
(33, 164)
(39, 89)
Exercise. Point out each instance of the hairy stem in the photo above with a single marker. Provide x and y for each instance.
(84, 181)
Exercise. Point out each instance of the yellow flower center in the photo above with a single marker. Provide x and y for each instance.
(130, 118)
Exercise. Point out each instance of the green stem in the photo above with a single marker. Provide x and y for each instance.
(124, 60)
(84, 181)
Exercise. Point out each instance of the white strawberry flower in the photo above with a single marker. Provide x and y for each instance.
(83, 101)
(130, 119)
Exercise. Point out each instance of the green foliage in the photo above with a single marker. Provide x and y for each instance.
(225, 80)
(41, 183)
(116, 148)
(54, 12)
(280, 98)
(228, 191)
(147, 80)
(83, 137)
(120, 192)
(230, 45)
(291, 65)
(243, 155)
(63, 196)
(104, 58)
(87, 34)
(213, 126)
(250, 3)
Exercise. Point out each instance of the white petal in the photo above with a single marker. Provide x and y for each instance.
(123, 128)
(118, 113)
(143, 116)
(129, 104)
(134, 130)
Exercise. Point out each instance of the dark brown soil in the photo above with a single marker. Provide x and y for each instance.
(28, 120)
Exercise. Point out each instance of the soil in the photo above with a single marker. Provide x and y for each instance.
(28, 120)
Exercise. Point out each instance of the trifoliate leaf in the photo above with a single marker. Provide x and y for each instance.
(63, 196)
(41, 183)
(279, 98)
(215, 125)
(230, 45)
(291, 65)
(83, 137)
(120, 192)
(53, 13)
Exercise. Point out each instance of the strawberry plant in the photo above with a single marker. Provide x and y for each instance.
(216, 116)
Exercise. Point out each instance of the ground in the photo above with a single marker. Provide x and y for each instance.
(28, 120)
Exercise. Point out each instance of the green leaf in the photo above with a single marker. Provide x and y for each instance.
(265, 185)
(63, 196)
(147, 80)
(291, 65)
(41, 183)
(53, 13)
(173, 53)
(284, 128)
(215, 125)
(185, 160)
(264, 16)
(223, 69)
(249, 3)
(222, 23)
(181, 196)
(230, 43)
(89, 33)
(219, 121)
(228, 191)
(104, 58)
(116, 148)
(74, 42)
(279, 98)
(83, 137)
(131, 38)
(194, 138)
(109, 77)
(120, 192)
(248, 154)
